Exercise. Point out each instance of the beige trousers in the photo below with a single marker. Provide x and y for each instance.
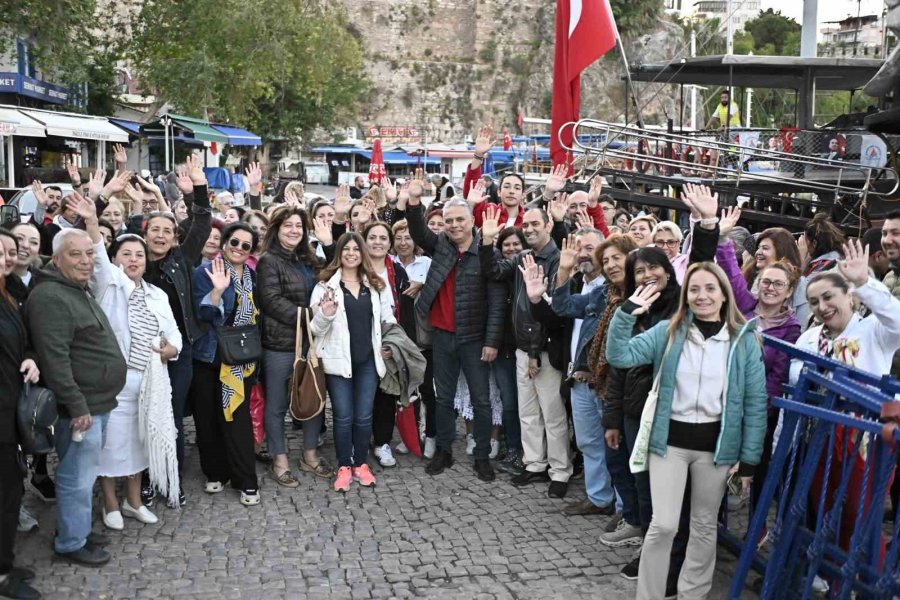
(542, 415)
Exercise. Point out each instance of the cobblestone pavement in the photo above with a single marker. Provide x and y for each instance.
(413, 536)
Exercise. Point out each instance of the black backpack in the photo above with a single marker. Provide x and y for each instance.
(37, 415)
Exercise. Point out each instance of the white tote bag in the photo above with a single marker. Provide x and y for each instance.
(640, 454)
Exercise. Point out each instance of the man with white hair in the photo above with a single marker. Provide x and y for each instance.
(85, 370)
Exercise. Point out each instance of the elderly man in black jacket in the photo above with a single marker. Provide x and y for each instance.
(466, 311)
(540, 354)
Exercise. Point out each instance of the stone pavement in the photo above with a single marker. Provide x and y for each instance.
(413, 536)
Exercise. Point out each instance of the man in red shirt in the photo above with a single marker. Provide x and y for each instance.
(466, 313)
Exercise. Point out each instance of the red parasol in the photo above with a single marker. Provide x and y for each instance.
(376, 165)
(408, 428)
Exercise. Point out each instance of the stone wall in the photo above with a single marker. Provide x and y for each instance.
(445, 66)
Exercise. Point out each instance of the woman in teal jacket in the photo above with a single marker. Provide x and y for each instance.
(710, 415)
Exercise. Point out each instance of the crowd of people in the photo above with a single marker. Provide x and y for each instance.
(555, 324)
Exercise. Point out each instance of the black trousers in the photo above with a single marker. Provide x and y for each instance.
(11, 490)
(384, 413)
(426, 391)
(226, 447)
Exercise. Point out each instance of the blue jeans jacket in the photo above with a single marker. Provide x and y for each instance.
(206, 345)
(588, 307)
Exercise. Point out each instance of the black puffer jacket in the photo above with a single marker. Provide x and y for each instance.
(281, 289)
(480, 304)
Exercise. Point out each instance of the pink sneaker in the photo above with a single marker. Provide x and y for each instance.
(364, 476)
(342, 481)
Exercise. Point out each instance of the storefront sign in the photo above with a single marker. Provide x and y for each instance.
(13, 83)
(402, 132)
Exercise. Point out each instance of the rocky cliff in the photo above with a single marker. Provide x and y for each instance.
(444, 66)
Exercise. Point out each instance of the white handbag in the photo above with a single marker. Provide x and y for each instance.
(640, 454)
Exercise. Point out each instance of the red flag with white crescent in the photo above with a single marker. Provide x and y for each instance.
(507, 140)
(585, 31)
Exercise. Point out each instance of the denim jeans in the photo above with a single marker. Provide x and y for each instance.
(278, 367)
(181, 372)
(505, 375)
(449, 357)
(641, 480)
(623, 481)
(352, 401)
(589, 433)
(75, 477)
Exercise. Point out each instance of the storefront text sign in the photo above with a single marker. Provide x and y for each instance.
(14, 83)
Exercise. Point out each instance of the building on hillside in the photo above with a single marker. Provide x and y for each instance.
(861, 37)
(741, 11)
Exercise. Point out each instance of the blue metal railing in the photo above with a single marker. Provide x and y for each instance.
(832, 466)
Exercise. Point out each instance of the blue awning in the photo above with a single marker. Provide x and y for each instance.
(390, 158)
(132, 127)
(238, 136)
(341, 150)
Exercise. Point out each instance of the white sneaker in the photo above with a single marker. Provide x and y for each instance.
(430, 447)
(142, 513)
(470, 444)
(113, 520)
(401, 448)
(495, 449)
(214, 487)
(249, 497)
(27, 522)
(385, 456)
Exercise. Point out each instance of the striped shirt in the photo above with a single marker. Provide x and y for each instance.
(143, 327)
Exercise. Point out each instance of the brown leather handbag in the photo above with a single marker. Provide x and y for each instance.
(308, 379)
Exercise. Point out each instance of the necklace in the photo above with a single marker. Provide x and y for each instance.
(349, 280)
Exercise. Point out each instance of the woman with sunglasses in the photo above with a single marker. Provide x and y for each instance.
(668, 237)
(225, 296)
(170, 267)
(148, 337)
(349, 305)
(286, 276)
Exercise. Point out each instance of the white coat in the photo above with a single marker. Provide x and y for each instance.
(331, 334)
(112, 288)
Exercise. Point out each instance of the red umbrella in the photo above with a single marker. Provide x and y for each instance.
(408, 428)
(376, 165)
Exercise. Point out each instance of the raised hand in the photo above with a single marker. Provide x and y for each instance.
(117, 184)
(700, 200)
(533, 276)
(82, 207)
(217, 274)
(322, 228)
(803, 249)
(490, 225)
(568, 254)
(582, 219)
(595, 191)
(183, 181)
(730, 218)
(133, 193)
(74, 175)
(95, 183)
(120, 156)
(558, 207)
(855, 265)
(476, 194)
(149, 186)
(328, 304)
(38, 190)
(342, 200)
(403, 196)
(557, 180)
(389, 189)
(416, 187)
(644, 296)
(253, 173)
(290, 198)
(484, 141)
(195, 171)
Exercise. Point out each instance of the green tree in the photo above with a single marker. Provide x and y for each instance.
(634, 16)
(774, 34)
(67, 44)
(281, 67)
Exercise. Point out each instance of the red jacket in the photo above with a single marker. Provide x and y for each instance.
(478, 214)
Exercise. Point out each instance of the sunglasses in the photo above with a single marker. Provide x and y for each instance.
(245, 246)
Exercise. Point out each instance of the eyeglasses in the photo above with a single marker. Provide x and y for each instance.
(666, 243)
(245, 246)
(775, 285)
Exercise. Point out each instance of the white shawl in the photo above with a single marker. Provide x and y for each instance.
(157, 426)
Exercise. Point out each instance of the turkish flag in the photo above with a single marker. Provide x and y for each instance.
(507, 141)
(585, 31)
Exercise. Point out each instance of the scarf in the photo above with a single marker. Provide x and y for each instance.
(232, 376)
(841, 349)
(777, 320)
(157, 429)
(392, 279)
(597, 364)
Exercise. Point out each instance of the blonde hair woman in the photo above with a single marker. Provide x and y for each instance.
(710, 415)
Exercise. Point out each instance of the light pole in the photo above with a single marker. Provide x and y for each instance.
(166, 123)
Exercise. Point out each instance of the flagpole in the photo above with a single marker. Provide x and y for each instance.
(632, 91)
